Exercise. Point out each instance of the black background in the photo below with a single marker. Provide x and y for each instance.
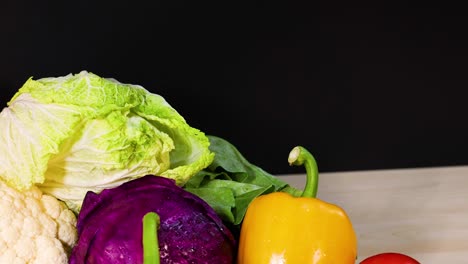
(362, 87)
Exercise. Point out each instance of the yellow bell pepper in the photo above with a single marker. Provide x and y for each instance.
(281, 229)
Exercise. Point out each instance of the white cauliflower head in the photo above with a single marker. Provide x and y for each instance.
(35, 228)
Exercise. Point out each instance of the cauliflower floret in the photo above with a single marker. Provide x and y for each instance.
(35, 228)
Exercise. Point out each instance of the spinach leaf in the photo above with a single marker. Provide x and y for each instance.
(231, 182)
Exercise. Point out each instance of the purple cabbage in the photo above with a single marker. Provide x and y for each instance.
(110, 225)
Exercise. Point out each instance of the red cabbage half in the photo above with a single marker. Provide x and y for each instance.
(110, 225)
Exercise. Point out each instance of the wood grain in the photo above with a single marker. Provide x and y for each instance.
(421, 212)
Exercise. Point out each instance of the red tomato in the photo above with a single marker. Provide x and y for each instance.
(390, 258)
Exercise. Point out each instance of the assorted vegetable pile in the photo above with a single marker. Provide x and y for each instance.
(97, 171)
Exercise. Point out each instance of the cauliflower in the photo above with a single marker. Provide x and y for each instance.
(35, 228)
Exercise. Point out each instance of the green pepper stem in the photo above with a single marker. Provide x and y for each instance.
(151, 223)
(300, 156)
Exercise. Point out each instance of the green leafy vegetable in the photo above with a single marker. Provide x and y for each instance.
(231, 182)
(80, 133)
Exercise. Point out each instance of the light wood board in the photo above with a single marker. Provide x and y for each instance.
(421, 212)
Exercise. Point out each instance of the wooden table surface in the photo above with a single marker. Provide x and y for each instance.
(421, 212)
